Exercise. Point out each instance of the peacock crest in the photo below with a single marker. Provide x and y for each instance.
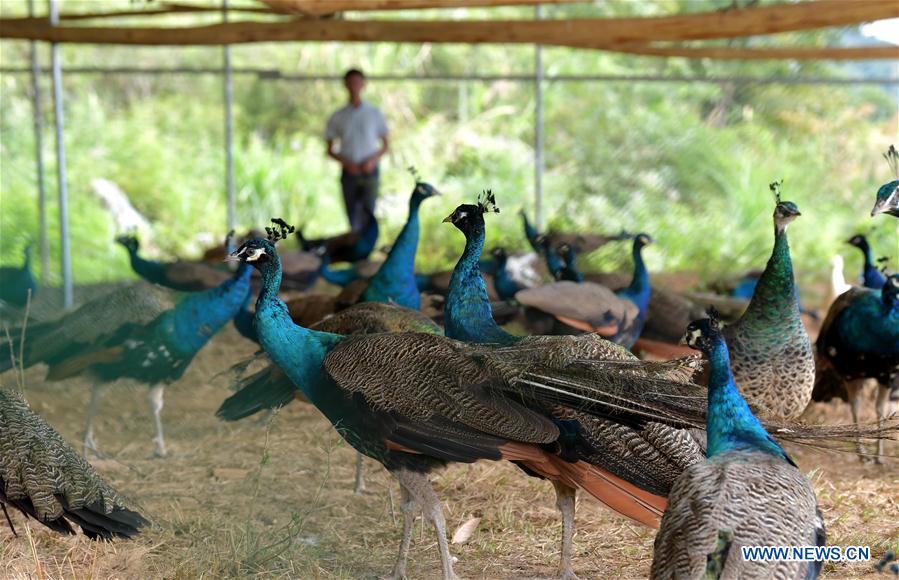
(774, 186)
(892, 157)
(280, 232)
(487, 202)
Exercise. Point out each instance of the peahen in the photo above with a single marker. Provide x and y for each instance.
(351, 246)
(416, 401)
(887, 199)
(17, 284)
(871, 277)
(592, 307)
(748, 486)
(649, 455)
(859, 340)
(44, 478)
(771, 355)
(110, 341)
(179, 275)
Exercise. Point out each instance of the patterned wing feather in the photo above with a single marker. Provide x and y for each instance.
(761, 499)
(44, 478)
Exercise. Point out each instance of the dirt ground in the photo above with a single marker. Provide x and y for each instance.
(256, 500)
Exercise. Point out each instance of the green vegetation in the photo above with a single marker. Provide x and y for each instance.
(687, 163)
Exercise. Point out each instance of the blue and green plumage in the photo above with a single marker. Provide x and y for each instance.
(530, 232)
(860, 336)
(887, 198)
(771, 355)
(468, 315)
(569, 270)
(339, 277)
(730, 424)
(17, 283)
(395, 280)
(503, 283)
(639, 290)
(347, 247)
(871, 277)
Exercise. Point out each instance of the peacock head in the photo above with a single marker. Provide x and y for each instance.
(642, 240)
(888, 195)
(468, 217)
(784, 211)
(129, 241)
(499, 254)
(566, 251)
(423, 191)
(704, 334)
(859, 241)
(891, 290)
(260, 251)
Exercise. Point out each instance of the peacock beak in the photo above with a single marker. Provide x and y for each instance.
(234, 256)
(448, 219)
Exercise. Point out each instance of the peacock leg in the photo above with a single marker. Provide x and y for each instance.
(421, 490)
(854, 392)
(359, 486)
(90, 444)
(156, 402)
(408, 507)
(882, 404)
(565, 500)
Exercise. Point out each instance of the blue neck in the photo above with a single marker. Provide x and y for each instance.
(730, 424)
(365, 245)
(776, 291)
(872, 277)
(467, 314)
(639, 290)
(295, 349)
(150, 270)
(571, 271)
(395, 280)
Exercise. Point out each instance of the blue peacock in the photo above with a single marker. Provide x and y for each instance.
(139, 333)
(859, 340)
(179, 275)
(18, 284)
(748, 487)
(415, 401)
(887, 198)
(871, 277)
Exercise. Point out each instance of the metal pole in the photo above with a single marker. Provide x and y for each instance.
(66, 252)
(229, 128)
(39, 156)
(538, 128)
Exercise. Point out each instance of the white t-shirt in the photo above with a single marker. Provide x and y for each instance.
(358, 131)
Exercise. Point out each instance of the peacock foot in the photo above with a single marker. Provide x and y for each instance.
(567, 574)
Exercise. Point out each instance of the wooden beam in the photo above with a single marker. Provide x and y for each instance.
(322, 7)
(780, 53)
(600, 33)
(166, 9)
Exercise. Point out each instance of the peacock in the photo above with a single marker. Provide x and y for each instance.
(350, 246)
(748, 487)
(871, 277)
(179, 275)
(44, 478)
(18, 284)
(530, 232)
(415, 401)
(887, 200)
(503, 283)
(395, 280)
(859, 340)
(117, 337)
(569, 269)
(591, 307)
(653, 455)
(772, 358)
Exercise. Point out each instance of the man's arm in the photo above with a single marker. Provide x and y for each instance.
(369, 164)
(351, 168)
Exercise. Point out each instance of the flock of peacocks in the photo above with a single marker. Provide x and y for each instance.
(687, 444)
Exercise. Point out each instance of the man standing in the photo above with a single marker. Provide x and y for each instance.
(361, 132)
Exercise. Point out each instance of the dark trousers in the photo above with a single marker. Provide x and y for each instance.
(359, 195)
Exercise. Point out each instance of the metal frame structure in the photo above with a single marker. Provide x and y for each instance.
(538, 78)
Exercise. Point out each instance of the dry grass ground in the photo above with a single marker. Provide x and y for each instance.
(245, 500)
